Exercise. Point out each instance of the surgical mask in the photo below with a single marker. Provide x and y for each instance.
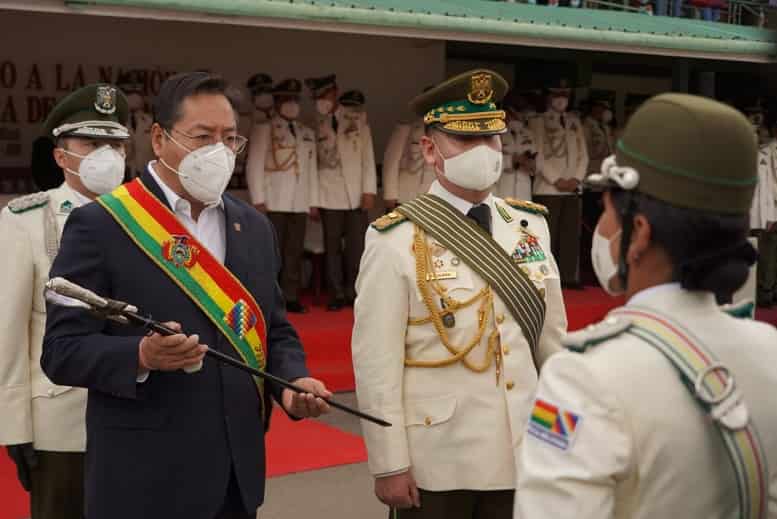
(101, 171)
(605, 267)
(205, 172)
(559, 104)
(477, 169)
(263, 102)
(290, 110)
(607, 116)
(324, 106)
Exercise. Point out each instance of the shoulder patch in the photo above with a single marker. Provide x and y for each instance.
(743, 310)
(27, 202)
(594, 334)
(388, 221)
(525, 205)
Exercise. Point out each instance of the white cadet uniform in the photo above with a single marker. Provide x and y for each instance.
(34, 409)
(454, 427)
(561, 150)
(515, 182)
(346, 160)
(599, 138)
(764, 209)
(139, 152)
(643, 448)
(285, 179)
(405, 171)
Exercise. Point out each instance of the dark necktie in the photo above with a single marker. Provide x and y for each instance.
(292, 130)
(482, 216)
(334, 123)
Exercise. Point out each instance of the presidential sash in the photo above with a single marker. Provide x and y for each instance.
(712, 385)
(203, 278)
(485, 256)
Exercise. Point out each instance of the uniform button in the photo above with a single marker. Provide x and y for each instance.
(510, 384)
(428, 420)
(500, 319)
(506, 350)
(542, 292)
(51, 392)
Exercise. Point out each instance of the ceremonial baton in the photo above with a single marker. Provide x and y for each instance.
(60, 291)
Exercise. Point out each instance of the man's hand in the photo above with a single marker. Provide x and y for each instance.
(315, 214)
(23, 455)
(398, 491)
(390, 204)
(305, 405)
(262, 208)
(561, 185)
(368, 201)
(169, 353)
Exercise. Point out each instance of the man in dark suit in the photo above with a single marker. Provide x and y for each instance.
(169, 433)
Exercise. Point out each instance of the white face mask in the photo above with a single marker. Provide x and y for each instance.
(290, 110)
(559, 104)
(324, 106)
(477, 169)
(604, 266)
(205, 172)
(263, 102)
(607, 116)
(101, 171)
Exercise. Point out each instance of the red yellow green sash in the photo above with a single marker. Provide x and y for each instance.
(207, 282)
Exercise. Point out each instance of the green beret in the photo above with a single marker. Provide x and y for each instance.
(94, 111)
(689, 152)
(465, 104)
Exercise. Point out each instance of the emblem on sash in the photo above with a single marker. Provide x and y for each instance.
(528, 249)
(240, 319)
(179, 252)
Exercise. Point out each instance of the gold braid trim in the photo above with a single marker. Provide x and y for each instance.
(423, 263)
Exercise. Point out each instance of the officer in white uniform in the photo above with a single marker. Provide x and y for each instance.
(347, 185)
(258, 130)
(43, 425)
(440, 349)
(285, 184)
(519, 150)
(562, 164)
(664, 409)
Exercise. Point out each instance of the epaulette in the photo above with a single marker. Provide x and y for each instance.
(742, 310)
(388, 221)
(27, 202)
(594, 334)
(525, 205)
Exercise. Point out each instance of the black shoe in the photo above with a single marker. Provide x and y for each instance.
(572, 285)
(296, 307)
(336, 304)
(350, 300)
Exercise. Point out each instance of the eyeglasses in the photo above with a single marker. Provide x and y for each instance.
(236, 143)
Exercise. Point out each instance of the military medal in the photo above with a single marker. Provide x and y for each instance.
(65, 207)
(448, 319)
(528, 249)
(438, 263)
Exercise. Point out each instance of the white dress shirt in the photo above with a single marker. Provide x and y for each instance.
(459, 203)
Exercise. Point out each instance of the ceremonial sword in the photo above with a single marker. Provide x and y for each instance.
(61, 292)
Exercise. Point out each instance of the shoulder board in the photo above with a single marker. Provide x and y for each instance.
(388, 221)
(595, 334)
(27, 202)
(742, 310)
(525, 205)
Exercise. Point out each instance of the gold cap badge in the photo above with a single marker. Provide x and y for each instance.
(481, 88)
(105, 100)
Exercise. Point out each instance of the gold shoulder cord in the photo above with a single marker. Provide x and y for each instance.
(290, 161)
(428, 283)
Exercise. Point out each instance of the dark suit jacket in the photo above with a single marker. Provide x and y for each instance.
(165, 448)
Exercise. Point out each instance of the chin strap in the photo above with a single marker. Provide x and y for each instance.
(627, 224)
